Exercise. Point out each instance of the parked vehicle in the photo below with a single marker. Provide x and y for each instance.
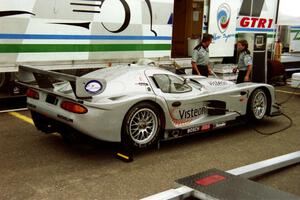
(138, 105)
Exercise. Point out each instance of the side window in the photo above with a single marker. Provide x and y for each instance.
(171, 84)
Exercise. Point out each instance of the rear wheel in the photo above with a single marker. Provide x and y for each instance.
(257, 105)
(142, 125)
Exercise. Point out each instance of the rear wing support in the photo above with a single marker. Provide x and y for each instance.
(83, 88)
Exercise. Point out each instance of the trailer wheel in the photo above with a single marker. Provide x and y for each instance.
(142, 125)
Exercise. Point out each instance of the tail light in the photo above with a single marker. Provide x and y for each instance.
(32, 94)
(73, 107)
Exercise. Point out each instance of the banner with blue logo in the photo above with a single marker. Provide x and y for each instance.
(222, 25)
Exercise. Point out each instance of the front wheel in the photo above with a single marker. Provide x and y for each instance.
(257, 105)
(142, 125)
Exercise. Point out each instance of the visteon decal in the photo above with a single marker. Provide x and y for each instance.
(193, 112)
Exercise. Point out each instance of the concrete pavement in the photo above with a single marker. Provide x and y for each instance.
(37, 166)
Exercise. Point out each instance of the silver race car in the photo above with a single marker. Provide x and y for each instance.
(139, 105)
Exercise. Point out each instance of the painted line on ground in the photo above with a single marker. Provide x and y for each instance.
(13, 110)
(22, 117)
(26, 119)
(288, 92)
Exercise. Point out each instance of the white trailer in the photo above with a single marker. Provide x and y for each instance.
(70, 34)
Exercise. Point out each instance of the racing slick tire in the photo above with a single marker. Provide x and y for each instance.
(42, 122)
(142, 126)
(257, 105)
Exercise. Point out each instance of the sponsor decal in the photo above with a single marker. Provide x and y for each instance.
(193, 112)
(93, 7)
(178, 122)
(186, 115)
(142, 84)
(205, 127)
(198, 128)
(65, 118)
(221, 124)
(193, 129)
(217, 83)
(255, 22)
(297, 35)
(223, 21)
(93, 87)
(223, 17)
(251, 18)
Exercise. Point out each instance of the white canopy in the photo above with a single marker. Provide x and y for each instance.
(288, 13)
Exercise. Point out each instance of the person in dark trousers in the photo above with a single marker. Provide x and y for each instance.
(200, 57)
(244, 62)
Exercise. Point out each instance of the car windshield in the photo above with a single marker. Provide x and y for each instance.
(171, 84)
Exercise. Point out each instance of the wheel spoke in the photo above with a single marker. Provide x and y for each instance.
(143, 126)
(135, 134)
(150, 122)
(259, 104)
(141, 135)
(135, 121)
(149, 129)
(135, 125)
(256, 112)
(144, 114)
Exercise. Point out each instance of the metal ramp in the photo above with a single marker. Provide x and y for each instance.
(233, 184)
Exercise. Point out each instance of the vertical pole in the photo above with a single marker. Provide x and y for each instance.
(266, 58)
(251, 8)
(277, 30)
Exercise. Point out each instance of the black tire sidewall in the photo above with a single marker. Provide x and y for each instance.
(126, 137)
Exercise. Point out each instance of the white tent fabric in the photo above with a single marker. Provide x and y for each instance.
(288, 13)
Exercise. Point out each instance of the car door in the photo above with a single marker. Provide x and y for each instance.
(186, 103)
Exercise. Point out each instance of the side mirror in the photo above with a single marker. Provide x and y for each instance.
(185, 80)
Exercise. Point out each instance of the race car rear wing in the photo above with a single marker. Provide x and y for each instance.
(83, 88)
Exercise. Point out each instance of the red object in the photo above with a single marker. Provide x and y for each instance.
(32, 94)
(275, 69)
(205, 127)
(255, 22)
(73, 107)
(225, 25)
(210, 180)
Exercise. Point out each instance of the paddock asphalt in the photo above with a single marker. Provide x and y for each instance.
(38, 166)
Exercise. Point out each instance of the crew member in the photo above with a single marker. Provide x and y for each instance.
(244, 62)
(200, 57)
